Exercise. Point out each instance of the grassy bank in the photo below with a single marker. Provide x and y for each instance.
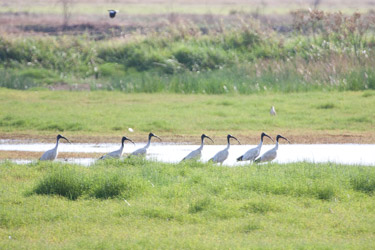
(139, 204)
(112, 113)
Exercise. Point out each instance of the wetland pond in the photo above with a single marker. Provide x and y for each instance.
(351, 154)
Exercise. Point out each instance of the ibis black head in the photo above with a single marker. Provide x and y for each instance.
(112, 13)
(205, 136)
(62, 137)
(153, 135)
(231, 136)
(124, 138)
(280, 136)
(264, 134)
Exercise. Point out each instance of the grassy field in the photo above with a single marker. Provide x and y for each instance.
(180, 69)
(103, 113)
(84, 7)
(140, 204)
(184, 53)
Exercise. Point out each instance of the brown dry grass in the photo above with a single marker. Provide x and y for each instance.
(36, 155)
(23, 17)
(297, 137)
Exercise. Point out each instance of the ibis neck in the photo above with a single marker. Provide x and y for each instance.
(277, 145)
(202, 143)
(57, 143)
(228, 144)
(148, 143)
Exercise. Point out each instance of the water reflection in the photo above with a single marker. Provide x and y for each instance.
(356, 154)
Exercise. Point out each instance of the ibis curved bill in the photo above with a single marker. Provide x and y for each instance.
(253, 153)
(118, 153)
(196, 154)
(51, 154)
(143, 151)
(222, 155)
(272, 153)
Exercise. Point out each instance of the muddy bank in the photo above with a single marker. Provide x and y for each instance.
(320, 137)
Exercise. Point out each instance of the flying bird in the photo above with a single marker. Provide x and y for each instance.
(51, 154)
(253, 153)
(196, 154)
(272, 153)
(112, 13)
(222, 155)
(143, 151)
(118, 153)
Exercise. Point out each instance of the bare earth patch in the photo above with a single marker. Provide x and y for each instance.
(313, 137)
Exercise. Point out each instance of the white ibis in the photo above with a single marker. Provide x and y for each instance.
(118, 153)
(143, 151)
(51, 154)
(112, 13)
(272, 153)
(272, 111)
(223, 154)
(196, 154)
(253, 153)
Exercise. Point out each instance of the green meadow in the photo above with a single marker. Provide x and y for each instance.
(138, 204)
(104, 113)
(180, 70)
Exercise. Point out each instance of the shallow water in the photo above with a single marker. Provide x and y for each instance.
(354, 154)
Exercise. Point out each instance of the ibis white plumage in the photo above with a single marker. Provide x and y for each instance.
(143, 151)
(222, 155)
(272, 111)
(253, 153)
(51, 154)
(196, 154)
(272, 153)
(118, 153)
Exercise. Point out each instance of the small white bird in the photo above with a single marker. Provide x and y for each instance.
(272, 153)
(273, 111)
(118, 153)
(112, 13)
(51, 154)
(222, 155)
(196, 154)
(253, 153)
(131, 130)
(143, 151)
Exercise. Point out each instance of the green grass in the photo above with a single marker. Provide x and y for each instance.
(188, 205)
(318, 54)
(112, 113)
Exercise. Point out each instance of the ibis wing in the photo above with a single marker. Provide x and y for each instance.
(141, 151)
(221, 156)
(268, 156)
(49, 155)
(196, 154)
(251, 154)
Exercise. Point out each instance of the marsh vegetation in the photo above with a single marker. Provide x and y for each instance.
(138, 203)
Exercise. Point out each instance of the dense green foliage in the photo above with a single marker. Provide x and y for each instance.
(144, 204)
(325, 51)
